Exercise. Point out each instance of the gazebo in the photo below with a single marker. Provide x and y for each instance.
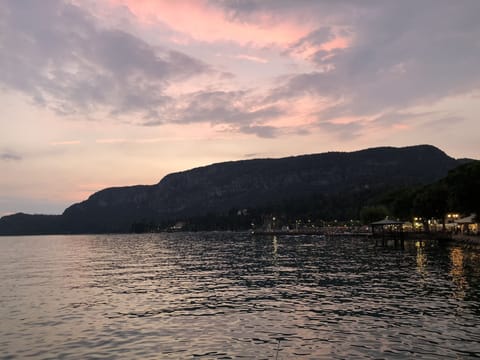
(388, 228)
(387, 224)
(468, 224)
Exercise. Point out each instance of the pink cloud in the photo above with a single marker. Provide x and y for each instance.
(131, 141)
(110, 141)
(65, 142)
(252, 58)
(345, 120)
(336, 43)
(203, 22)
(308, 50)
(401, 126)
(298, 112)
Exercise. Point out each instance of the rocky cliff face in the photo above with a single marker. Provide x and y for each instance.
(220, 187)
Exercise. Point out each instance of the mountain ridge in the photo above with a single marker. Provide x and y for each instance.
(220, 187)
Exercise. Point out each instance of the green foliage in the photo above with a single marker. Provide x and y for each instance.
(431, 201)
(459, 191)
(370, 214)
(464, 188)
(400, 202)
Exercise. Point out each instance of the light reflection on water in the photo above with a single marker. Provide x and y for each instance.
(224, 295)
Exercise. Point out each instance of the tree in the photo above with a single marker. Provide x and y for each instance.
(369, 214)
(431, 202)
(464, 188)
(400, 202)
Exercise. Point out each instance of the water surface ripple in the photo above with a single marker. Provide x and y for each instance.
(231, 296)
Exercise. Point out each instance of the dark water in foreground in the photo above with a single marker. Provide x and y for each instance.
(222, 295)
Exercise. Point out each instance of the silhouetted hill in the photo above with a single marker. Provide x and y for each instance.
(249, 184)
(25, 224)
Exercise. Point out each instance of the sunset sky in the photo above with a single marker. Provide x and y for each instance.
(119, 92)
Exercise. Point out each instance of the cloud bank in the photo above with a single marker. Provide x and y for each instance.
(365, 64)
(10, 156)
(60, 56)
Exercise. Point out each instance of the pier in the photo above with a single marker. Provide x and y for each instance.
(313, 233)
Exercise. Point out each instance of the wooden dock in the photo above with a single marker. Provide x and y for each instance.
(312, 233)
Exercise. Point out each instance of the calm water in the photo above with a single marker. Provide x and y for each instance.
(223, 295)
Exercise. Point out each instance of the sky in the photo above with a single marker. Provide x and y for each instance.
(101, 93)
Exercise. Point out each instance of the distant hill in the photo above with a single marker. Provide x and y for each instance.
(246, 184)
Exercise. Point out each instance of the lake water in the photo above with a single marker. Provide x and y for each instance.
(227, 295)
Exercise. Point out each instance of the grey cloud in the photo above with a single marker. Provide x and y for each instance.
(233, 107)
(443, 123)
(10, 156)
(403, 54)
(302, 132)
(251, 155)
(157, 122)
(319, 36)
(392, 118)
(324, 59)
(347, 131)
(56, 53)
(314, 83)
(248, 9)
(260, 131)
(267, 131)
